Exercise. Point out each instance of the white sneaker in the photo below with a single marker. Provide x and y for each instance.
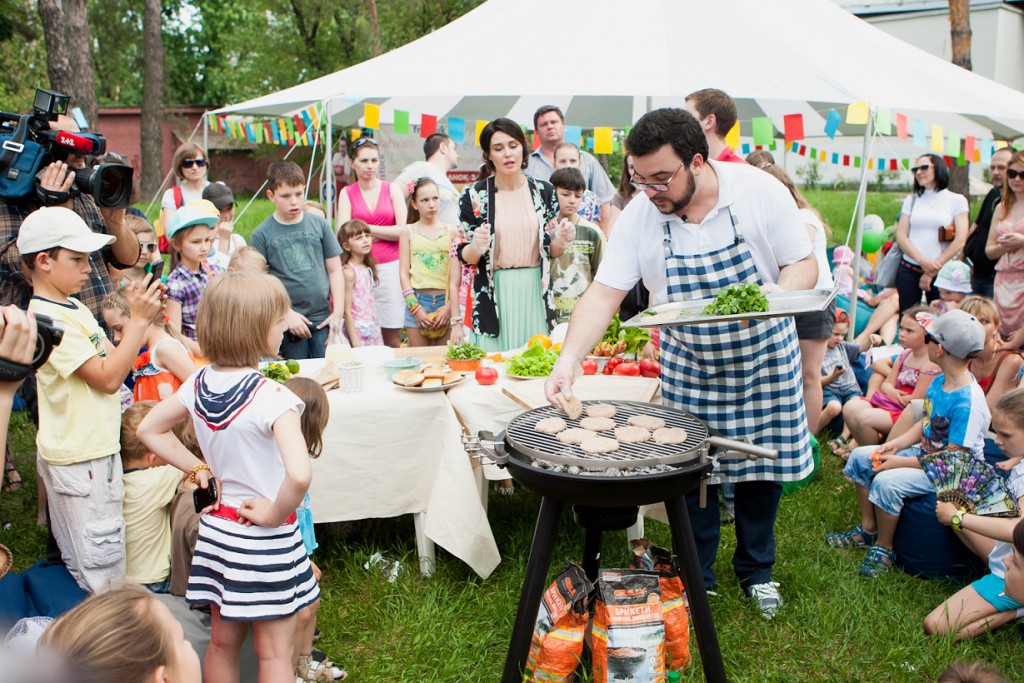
(767, 597)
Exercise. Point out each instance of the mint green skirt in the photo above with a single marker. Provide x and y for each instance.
(521, 314)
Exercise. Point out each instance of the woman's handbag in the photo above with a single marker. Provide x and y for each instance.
(885, 274)
(947, 233)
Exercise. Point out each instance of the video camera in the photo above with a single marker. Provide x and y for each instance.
(27, 144)
(49, 333)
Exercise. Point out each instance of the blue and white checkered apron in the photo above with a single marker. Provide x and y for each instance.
(741, 379)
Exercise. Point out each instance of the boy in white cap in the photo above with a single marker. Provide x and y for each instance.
(79, 409)
(956, 417)
(954, 284)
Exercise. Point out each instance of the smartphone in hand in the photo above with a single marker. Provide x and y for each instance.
(204, 498)
(157, 269)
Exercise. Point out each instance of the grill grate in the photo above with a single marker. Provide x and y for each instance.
(546, 450)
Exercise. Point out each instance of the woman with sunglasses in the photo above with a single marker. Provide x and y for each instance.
(190, 165)
(1005, 239)
(929, 214)
(381, 206)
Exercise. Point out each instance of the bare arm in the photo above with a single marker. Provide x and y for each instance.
(586, 327)
(174, 358)
(126, 247)
(993, 248)
(800, 275)
(155, 432)
(350, 323)
(297, 475)
(337, 284)
(344, 212)
(173, 310)
(404, 261)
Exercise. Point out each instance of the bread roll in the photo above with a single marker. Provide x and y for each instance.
(432, 382)
(452, 377)
(413, 380)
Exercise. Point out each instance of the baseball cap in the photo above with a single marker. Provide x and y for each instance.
(219, 194)
(956, 331)
(194, 213)
(55, 226)
(955, 276)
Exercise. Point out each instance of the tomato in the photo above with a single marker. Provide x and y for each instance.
(627, 368)
(486, 376)
(650, 368)
(589, 366)
(614, 362)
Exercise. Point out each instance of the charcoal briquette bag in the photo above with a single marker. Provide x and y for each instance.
(673, 604)
(557, 643)
(628, 637)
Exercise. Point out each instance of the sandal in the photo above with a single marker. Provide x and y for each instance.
(854, 538)
(878, 562)
(838, 444)
(308, 669)
(12, 480)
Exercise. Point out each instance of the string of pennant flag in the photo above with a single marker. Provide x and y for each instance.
(301, 129)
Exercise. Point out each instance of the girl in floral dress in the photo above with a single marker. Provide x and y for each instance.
(1005, 240)
(360, 270)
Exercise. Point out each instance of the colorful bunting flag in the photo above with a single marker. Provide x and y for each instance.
(953, 143)
(857, 113)
(371, 116)
(832, 123)
(920, 133)
(457, 130)
(883, 121)
(401, 122)
(762, 130)
(937, 138)
(732, 138)
(574, 134)
(901, 126)
(794, 125)
(603, 140)
(480, 125)
(986, 151)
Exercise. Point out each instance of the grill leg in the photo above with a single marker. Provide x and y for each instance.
(693, 579)
(591, 552)
(533, 588)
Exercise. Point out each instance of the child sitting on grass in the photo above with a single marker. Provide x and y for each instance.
(313, 423)
(956, 417)
(983, 605)
(839, 384)
(149, 488)
(954, 283)
(867, 422)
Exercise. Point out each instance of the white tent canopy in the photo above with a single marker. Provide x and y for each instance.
(776, 57)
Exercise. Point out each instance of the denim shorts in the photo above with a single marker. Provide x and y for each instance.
(429, 302)
(889, 489)
(829, 394)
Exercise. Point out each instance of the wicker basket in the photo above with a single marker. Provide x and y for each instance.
(5, 560)
(350, 377)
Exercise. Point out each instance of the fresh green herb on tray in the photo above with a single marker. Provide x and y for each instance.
(618, 339)
(535, 361)
(464, 351)
(738, 299)
(280, 372)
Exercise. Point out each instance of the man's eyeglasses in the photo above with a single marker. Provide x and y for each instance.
(189, 163)
(923, 167)
(150, 247)
(656, 187)
(364, 141)
(1013, 173)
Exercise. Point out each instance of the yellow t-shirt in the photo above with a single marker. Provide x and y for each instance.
(148, 495)
(76, 422)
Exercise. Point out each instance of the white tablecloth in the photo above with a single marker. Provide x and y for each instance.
(390, 452)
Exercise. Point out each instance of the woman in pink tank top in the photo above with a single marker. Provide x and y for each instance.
(380, 205)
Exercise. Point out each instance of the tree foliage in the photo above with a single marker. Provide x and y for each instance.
(22, 55)
(222, 51)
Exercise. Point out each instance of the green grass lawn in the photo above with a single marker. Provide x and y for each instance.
(455, 627)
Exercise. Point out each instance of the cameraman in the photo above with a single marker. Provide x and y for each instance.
(17, 345)
(15, 287)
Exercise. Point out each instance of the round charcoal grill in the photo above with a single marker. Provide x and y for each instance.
(606, 491)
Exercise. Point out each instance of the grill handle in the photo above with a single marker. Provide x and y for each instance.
(750, 451)
(493, 448)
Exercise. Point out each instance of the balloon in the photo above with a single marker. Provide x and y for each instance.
(872, 257)
(871, 242)
(873, 223)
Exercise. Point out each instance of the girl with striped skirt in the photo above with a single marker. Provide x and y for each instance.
(249, 564)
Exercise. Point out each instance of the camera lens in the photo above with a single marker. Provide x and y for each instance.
(109, 184)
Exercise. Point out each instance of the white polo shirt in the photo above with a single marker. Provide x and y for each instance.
(766, 217)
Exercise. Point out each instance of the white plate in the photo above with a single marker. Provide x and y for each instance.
(443, 387)
(509, 374)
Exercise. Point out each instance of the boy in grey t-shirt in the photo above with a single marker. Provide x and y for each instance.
(838, 382)
(303, 253)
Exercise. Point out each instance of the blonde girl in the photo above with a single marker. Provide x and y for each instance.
(314, 422)
(870, 420)
(249, 429)
(984, 605)
(191, 237)
(166, 362)
(360, 270)
(995, 367)
(430, 277)
(139, 641)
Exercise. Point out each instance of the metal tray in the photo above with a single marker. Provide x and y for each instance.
(780, 305)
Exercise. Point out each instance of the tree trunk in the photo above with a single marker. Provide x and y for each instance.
(68, 59)
(374, 25)
(960, 32)
(152, 100)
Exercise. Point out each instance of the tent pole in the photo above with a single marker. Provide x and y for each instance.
(858, 235)
(206, 133)
(329, 165)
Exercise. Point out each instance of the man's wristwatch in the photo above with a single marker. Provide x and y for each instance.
(957, 521)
